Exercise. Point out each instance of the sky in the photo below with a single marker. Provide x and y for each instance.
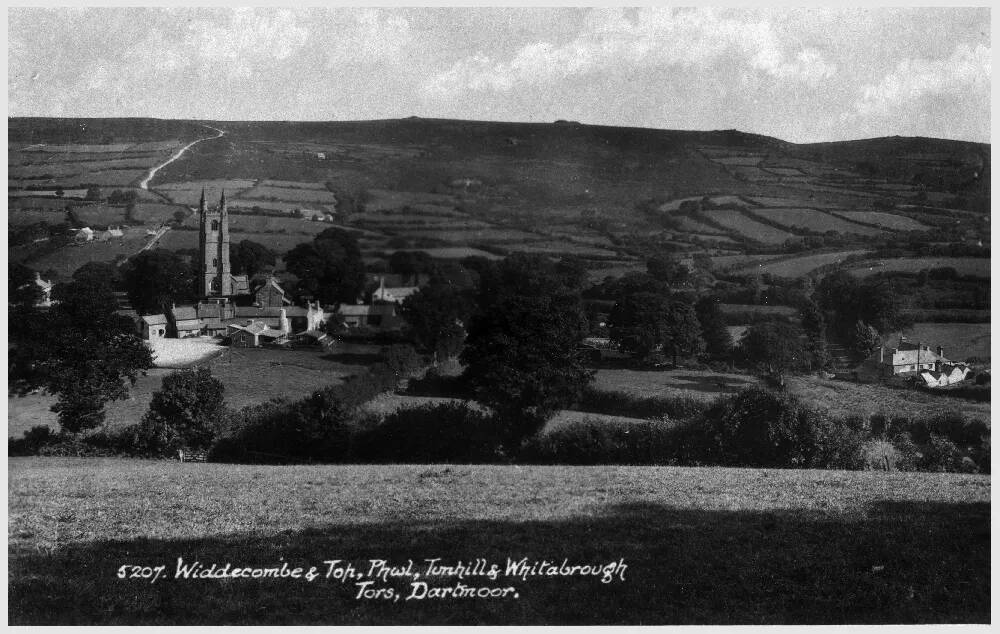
(803, 75)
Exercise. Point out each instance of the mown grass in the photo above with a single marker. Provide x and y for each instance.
(705, 546)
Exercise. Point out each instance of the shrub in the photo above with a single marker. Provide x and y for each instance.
(909, 452)
(940, 454)
(880, 455)
(765, 428)
(450, 432)
(31, 442)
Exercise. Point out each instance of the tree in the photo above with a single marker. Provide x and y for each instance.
(99, 273)
(521, 352)
(59, 192)
(79, 350)
(329, 268)
(21, 288)
(865, 340)
(637, 323)
(814, 325)
(184, 414)
(126, 197)
(682, 335)
(93, 193)
(718, 341)
(667, 269)
(436, 315)
(156, 279)
(410, 264)
(179, 216)
(774, 347)
(251, 258)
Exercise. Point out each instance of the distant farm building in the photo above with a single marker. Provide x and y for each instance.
(154, 327)
(915, 361)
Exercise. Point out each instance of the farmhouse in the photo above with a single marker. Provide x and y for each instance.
(395, 294)
(914, 360)
(376, 316)
(84, 235)
(184, 321)
(270, 294)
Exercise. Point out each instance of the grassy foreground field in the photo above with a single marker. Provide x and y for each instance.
(700, 545)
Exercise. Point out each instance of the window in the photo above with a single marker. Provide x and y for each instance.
(215, 261)
(215, 225)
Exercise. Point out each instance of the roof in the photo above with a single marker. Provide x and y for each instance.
(241, 284)
(254, 328)
(155, 320)
(180, 313)
(349, 310)
(271, 332)
(315, 334)
(189, 324)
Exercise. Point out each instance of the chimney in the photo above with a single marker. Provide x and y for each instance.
(285, 327)
(940, 352)
(881, 354)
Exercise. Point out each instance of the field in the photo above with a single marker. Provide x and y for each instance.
(290, 194)
(65, 261)
(845, 398)
(801, 265)
(189, 192)
(734, 261)
(965, 266)
(813, 220)
(960, 341)
(696, 384)
(249, 376)
(889, 221)
(750, 228)
(705, 546)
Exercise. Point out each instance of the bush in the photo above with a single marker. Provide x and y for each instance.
(940, 454)
(765, 428)
(31, 442)
(451, 432)
(880, 455)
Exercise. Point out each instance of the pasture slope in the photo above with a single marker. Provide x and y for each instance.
(706, 546)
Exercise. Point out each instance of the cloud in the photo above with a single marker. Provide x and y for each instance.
(609, 41)
(966, 70)
(247, 36)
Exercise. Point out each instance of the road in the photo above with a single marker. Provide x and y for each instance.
(152, 172)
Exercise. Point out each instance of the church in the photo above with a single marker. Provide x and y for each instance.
(214, 269)
(217, 312)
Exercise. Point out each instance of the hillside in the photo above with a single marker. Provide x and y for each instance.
(705, 546)
(609, 196)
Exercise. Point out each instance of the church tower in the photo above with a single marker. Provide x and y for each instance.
(214, 275)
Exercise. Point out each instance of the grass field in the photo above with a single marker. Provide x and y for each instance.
(291, 194)
(701, 546)
(253, 376)
(813, 220)
(882, 219)
(734, 261)
(964, 266)
(68, 259)
(960, 341)
(697, 384)
(801, 265)
(750, 228)
(845, 398)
